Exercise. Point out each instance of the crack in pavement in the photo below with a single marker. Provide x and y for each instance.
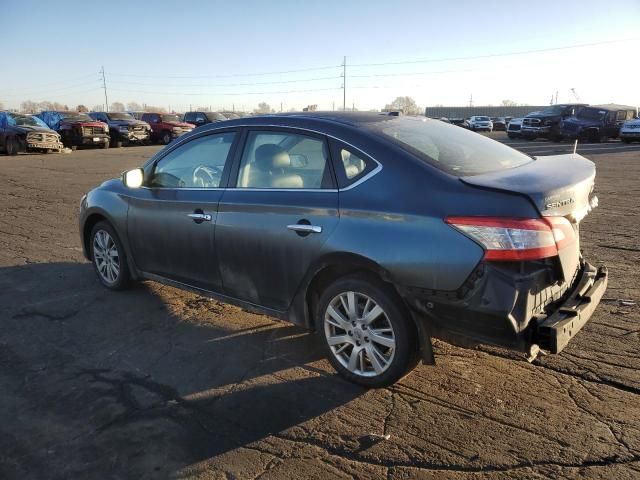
(434, 466)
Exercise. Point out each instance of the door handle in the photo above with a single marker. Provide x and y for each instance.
(200, 217)
(304, 228)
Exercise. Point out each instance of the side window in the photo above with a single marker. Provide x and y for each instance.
(195, 164)
(353, 165)
(188, 117)
(622, 115)
(350, 164)
(611, 117)
(201, 118)
(284, 160)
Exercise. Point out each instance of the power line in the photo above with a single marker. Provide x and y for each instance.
(230, 75)
(227, 84)
(46, 85)
(224, 93)
(491, 55)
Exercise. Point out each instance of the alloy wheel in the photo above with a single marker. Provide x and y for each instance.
(106, 256)
(359, 334)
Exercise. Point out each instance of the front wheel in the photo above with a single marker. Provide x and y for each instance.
(367, 333)
(11, 147)
(108, 257)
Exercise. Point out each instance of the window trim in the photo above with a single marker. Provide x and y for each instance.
(224, 180)
(233, 177)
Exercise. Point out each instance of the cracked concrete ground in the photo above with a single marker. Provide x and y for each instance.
(155, 382)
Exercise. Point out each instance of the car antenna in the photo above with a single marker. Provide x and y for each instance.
(575, 146)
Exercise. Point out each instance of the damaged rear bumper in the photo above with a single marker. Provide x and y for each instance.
(554, 332)
(514, 310)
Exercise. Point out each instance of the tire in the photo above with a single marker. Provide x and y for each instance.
(11, 146)
(511, 136)
(105, 145)
(361, 359)
(626, 140)
(102, 242)
(166, 138)
(74, 147)
(115, 143)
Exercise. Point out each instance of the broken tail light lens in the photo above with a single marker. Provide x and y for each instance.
(516, 239)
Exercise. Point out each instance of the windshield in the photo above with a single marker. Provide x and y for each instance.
(482, 119)
(591, 114)
(119, 116)
(555, 110)
(170, 118)
(27, 120)
(215, 116)
(451, 149)
(76, 117)
(231, 115)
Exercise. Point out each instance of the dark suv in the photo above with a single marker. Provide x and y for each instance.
(377, 231)
(202, 118)
(123, 128)
(597, 123)
(546, 123)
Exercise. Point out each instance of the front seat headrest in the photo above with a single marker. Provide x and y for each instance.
(270, 156)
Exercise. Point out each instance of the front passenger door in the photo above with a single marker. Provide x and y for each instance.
(171, 220)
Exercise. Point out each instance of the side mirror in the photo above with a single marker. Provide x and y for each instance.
(133, 178)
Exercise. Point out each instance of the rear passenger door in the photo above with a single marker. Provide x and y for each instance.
(281, 207)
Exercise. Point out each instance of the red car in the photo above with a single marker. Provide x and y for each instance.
(166, 126)
(77, 129)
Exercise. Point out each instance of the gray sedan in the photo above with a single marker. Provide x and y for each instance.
(378, 232)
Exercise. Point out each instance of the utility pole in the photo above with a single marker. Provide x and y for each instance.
(280, 107)
(104, 85)
(471, 100)
(333, 106)
(344, 84)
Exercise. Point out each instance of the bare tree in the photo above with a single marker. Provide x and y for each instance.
(1, 106)
(82, 108)
(151, 108)
(117, 107)
(97, 108)
(134, 107)
(508, 103)
(264, 107)
(29, 106)
(406, 105)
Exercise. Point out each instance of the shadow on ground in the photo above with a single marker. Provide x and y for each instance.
(98, 383)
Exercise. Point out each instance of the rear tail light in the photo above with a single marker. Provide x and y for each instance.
(515, 239)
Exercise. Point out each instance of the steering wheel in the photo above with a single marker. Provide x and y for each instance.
(205, 176)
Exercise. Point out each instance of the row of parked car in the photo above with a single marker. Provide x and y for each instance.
(592, 123)
(52, 131)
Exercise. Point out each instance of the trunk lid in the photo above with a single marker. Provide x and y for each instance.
(558, 185)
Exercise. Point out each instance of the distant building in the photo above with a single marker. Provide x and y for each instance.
(310, 108)
(492, 111)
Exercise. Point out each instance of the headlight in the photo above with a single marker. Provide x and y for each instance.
(106, 128)
(124, 129)
(176, 129)
(547, 122)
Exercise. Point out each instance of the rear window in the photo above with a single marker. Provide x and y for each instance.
(450, 148)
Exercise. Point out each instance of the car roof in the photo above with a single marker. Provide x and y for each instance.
(307, 119)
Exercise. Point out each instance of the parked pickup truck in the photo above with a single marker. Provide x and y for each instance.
(123, 128)
(23, 133)
(166, 126)
(597, 123)
(546, 123)
(77, 129)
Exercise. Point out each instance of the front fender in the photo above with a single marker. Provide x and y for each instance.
(112, 205)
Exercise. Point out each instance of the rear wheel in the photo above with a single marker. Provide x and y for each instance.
(368, 336)
(166, 138)
(108, 257)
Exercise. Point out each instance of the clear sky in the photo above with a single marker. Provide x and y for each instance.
(221, 53)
